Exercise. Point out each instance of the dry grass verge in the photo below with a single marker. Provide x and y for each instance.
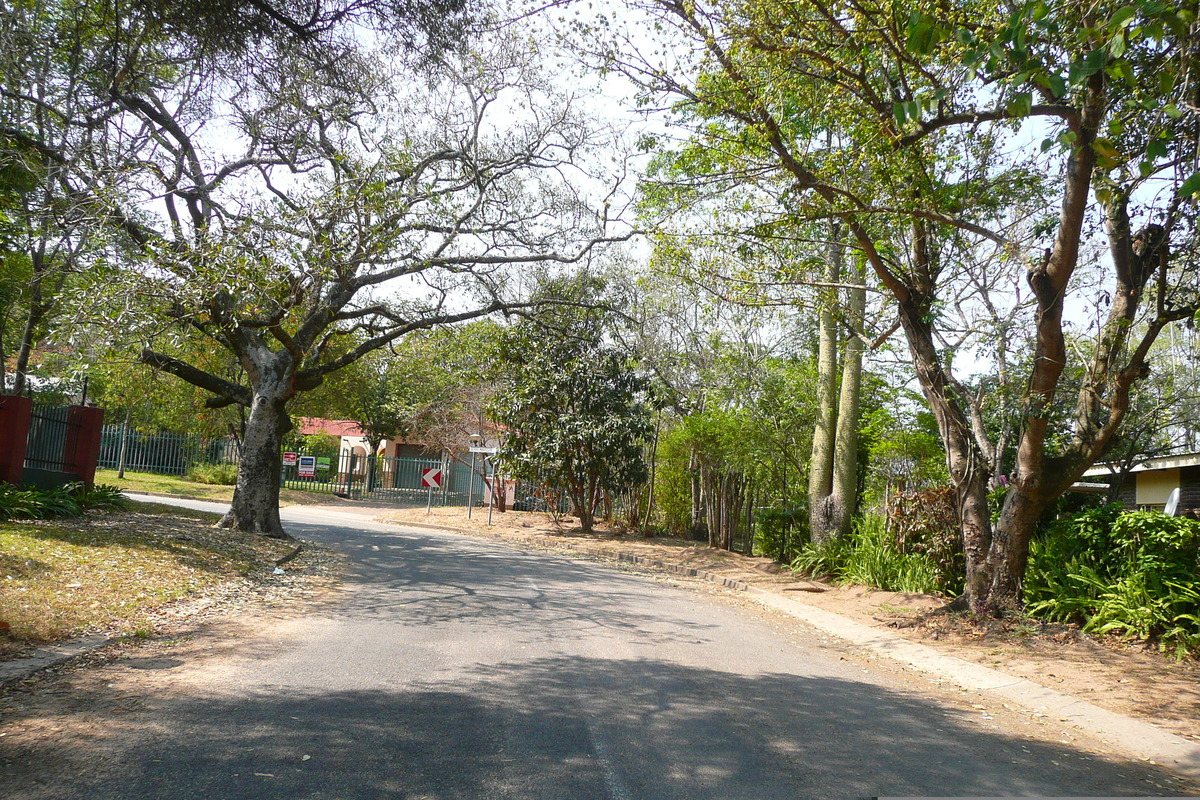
(110, 572)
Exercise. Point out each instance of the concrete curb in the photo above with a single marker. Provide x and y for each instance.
(1140, 739)
(20, 669)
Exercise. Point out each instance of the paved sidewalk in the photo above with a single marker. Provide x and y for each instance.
(19, 669)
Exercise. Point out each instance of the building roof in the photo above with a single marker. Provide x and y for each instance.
(1150, 464)
(333, 427)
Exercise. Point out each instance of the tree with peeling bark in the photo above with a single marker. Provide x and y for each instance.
(937, 153)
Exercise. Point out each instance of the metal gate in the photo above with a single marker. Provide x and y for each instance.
(50, 430)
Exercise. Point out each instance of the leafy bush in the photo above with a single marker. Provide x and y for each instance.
(321, 445)
(925, 522)
(871, 557)
(1130, 573)
(57, 502)
(215, 474)
(69, 500)
(824, 560)
(100, 496)
(781, 533)
(673, 483)
(876, 560)
(17, 503)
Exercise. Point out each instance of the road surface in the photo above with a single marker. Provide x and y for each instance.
(451, 667)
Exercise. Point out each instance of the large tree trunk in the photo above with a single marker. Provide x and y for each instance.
(843, 498)
(820, 472)
(965, 463)
(255, 506)
(697, 489)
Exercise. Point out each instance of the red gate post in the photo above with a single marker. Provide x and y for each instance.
(15, 415)
(82, 450)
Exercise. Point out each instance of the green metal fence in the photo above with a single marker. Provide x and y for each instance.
(390, 480)
(163, 453)
(393, 480)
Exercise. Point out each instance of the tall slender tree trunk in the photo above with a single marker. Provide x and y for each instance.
(844, 495)
(833, 472)
(124, 444)
(649, 521)
(697, 488)
(820, 473)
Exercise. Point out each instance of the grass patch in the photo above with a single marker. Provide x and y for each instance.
(179, 486)
(175, 485)
(109, 572)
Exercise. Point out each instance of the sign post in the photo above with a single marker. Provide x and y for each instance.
(431, 477)
(471, 487)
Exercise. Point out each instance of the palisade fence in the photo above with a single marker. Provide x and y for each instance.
(391, 480)
(394, 480)
(163, 453)
(398, 480)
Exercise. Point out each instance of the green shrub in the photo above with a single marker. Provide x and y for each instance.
(673, 483)
(870, 556)
(925, 522)
(322, 445)
(100, 496)
(17, 503)
(824, 560)
(1113, 572)
(781, 533)
(876, 561)
(69, 500)
(215, 474)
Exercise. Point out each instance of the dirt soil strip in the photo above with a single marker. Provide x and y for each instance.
(1000, 664)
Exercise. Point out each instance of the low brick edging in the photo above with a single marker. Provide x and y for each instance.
(25, 667)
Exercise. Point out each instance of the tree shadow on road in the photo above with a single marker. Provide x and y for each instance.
(438, 580)
(568, 727)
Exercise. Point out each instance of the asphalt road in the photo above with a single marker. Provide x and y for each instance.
(460, 668)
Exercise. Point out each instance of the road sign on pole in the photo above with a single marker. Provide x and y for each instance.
(431, 477)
